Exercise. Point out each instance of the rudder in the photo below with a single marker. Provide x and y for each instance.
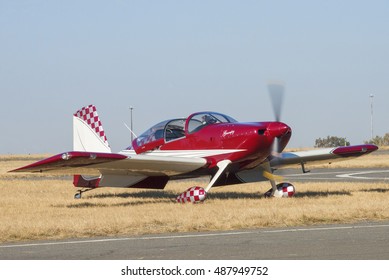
(88, 132)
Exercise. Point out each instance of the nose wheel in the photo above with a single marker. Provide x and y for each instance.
(282, 190)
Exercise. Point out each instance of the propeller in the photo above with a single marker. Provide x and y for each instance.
(276, 91)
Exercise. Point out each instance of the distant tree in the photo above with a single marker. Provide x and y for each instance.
(331, 141)
(379, 140)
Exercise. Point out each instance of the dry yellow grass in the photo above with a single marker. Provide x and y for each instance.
(45, 209)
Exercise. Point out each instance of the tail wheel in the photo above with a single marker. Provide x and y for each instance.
(77, 195)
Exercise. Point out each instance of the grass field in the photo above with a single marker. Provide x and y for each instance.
(44, 208)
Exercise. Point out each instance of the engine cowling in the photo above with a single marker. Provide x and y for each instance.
(193, 194)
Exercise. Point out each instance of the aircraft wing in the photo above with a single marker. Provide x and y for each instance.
(90, 163)
(321, 155)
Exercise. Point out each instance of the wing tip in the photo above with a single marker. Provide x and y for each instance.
(358, 150)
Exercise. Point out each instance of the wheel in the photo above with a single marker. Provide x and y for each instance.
(283, 190)
(77, 195)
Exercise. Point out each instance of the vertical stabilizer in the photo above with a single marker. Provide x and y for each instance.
(88, 132)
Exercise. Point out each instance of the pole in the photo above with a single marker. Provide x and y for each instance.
(371, 115)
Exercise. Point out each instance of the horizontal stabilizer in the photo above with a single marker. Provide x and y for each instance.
(71, 163)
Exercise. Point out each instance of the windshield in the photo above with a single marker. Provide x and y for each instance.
(168, 130)
(152, 134)
(174, 129)
(201, 120)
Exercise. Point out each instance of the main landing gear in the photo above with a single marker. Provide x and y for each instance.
(198, 194)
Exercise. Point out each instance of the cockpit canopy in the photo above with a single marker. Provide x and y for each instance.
(173, 129)
(168, 130)
(200, 120)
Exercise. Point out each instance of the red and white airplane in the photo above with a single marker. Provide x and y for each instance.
(203, 144)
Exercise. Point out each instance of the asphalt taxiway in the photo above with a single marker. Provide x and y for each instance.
(362, 241)
(337, 175)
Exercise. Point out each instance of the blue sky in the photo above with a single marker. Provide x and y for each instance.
(170, 58)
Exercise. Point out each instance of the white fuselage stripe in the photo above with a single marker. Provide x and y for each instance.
(185, 153)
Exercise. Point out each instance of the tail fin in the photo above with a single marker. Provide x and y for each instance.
(88, 132)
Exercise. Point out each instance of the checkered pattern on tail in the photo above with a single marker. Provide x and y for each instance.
(89, 115)
(193, 194)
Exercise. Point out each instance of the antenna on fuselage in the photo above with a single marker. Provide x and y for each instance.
(132, 133)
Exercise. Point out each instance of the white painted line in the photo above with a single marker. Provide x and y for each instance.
(326, 228)
(194, 235)
(314, 178)
(339, 174)
(313, 174)
(122, 239)
(355, 175)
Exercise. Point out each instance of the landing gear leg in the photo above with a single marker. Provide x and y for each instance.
(198, 194)
(277, 190)
(222, 166)
(268, 173)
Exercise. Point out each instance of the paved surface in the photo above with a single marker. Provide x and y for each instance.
(357, 241)
(346, 175)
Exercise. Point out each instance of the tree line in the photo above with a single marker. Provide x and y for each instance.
(331, 141)
(334, 141)
(379, 140)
